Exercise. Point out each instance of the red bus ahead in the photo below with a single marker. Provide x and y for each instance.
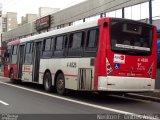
(106, 55)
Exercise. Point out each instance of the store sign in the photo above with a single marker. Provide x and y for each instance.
(43, 23)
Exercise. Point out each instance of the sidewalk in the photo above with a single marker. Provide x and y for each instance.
(156, 93)
(152, 96)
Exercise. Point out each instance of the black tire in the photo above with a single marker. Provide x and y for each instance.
(11, 76)
(47, 82)
(60, 84)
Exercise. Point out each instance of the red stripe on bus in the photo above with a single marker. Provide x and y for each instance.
(71, 75)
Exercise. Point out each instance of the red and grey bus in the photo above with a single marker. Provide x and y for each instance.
(105, 55)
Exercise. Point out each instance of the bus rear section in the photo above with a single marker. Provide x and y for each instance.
(130, 60)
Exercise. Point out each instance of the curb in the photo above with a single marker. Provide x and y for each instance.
(133, 95)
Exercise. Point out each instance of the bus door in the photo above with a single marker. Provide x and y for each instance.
(20, 60)
(36, 61)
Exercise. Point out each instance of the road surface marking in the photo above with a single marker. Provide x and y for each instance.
(84, 103)
(4, 103)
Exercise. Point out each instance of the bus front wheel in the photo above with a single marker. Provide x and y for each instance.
(60, 84)
(47, 82)
(11, 76)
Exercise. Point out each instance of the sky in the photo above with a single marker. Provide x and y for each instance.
(23, 7)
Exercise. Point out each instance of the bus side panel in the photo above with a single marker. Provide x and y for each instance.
(72, 69)
(54, 65)
(27, 73)
(6, 71)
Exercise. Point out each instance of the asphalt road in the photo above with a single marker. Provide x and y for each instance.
(30, 99)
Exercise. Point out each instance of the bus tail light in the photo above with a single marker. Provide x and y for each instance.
(108, 66)
(150, 71)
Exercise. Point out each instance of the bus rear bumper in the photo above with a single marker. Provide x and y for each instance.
(125, 84)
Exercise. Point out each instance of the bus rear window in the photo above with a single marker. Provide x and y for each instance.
(131, 38)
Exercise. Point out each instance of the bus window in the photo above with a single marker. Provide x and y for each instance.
(14, 50)
(59, 43)
(76, 40)
(28, 56)
(47, 49)
(14, 54)
(76, 43)
(92, 38)
(131, 38)
(48, 43)
(92, 42)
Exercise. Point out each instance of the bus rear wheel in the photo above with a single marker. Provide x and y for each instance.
(60, 84)
(47, 82)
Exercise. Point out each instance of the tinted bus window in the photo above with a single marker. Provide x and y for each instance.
(76, 40)
(92, 39)
(47, 44)
(28, 56)
(29, 48)
(14, 50)
(131, 38)
(59, 43)
(14, 54)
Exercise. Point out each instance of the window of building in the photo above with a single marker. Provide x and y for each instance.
(4, 19)
(119, 13)
(112, 14)
(128, 12)
(136, 12)
(155, 8)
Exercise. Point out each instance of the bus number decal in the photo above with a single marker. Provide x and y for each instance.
(72, 64)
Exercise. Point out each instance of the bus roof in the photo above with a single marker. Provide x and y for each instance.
(15, 42)
(61, 31)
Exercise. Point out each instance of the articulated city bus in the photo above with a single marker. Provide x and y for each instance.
(106, 55)
(158, 32)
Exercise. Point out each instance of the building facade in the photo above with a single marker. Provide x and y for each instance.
(11, 20)
(28, 18)
(43, 11)
(76, 14)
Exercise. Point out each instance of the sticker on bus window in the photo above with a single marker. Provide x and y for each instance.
(119, 58)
